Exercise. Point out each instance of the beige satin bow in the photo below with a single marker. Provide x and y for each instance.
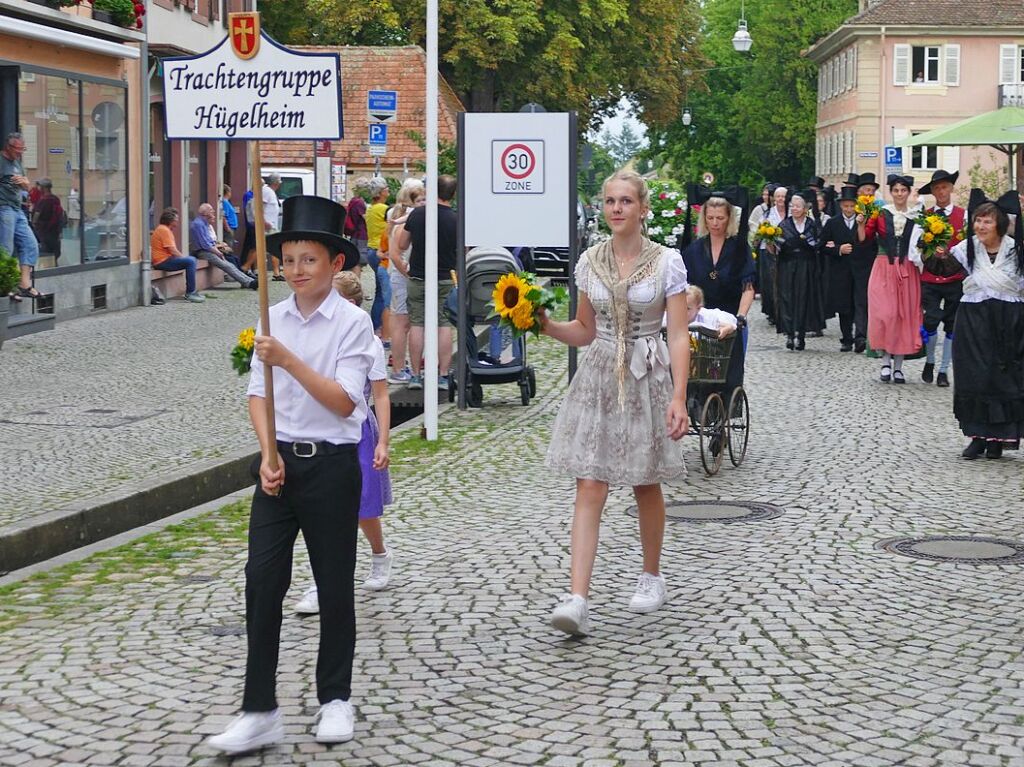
(649, 353)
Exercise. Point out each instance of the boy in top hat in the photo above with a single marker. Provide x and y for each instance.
(321, 351)
(849, 268)
(942, 278)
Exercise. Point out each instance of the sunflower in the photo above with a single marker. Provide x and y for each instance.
(928, 237)
(247, 338)
(509, 294)
(938, 227)
(523, 316)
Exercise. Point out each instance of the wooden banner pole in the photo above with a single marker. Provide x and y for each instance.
(264, 294)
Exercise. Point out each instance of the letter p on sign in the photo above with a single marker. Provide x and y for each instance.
(517, 166)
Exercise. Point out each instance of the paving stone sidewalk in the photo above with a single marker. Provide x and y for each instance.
(791, 641)
(104, 402)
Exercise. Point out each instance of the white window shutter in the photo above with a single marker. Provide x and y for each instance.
(853, 80)
(952, 63)
(90, 149)
(1007, 64)
(31, 135)
(844, 78)
(821, 84)
(841, 153)
(901, 64)
(898, 134)
(835, 76)
(949, 157)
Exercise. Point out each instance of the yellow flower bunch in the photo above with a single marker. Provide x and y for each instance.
(241, 355)
(867, 206)
(768, 232)
(517, 299)
(937, 232)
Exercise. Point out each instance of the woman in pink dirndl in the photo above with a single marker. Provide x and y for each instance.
(894, 288)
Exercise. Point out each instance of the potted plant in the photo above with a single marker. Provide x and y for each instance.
(120, 12)
(10, 276)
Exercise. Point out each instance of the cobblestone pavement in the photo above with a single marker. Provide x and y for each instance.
(791, 641)
(106, 401)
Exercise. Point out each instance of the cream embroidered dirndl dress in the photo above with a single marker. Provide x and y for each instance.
(593, 436)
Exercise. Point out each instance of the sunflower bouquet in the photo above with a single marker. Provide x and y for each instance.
(517, 298)
(937, 232)
(768, 233)
(867, 206)
(241, 355)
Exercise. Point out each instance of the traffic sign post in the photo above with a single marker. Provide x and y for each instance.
(515, 168)
(382, 106)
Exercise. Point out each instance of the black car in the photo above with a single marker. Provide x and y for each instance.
(554, 261)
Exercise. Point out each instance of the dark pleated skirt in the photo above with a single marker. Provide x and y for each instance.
(988, 369)
(799, 301)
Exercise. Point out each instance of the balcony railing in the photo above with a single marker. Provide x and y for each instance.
(1011, 95)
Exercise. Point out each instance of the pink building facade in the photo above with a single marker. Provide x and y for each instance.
(902, 67)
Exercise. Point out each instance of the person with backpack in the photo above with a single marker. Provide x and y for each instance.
(48, 220)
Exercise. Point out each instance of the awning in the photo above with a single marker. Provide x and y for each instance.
(64, 38)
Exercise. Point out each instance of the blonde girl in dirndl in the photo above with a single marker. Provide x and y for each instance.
(626, 407)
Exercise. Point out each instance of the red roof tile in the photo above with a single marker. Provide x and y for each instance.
(399, 68)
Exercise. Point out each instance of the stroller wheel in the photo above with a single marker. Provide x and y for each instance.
(451, 388)
(531, 379)
(475, 395)
(524, 393)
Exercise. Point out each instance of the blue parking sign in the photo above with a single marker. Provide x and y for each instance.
(894, 155)
(378, 134)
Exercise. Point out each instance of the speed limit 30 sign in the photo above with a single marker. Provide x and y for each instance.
(517, 166)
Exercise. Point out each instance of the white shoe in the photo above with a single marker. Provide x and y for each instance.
(249, 731)
(650, 594)
(195, 298)
(571, 615)
(309, 604)
(380, 572)
(337, 722)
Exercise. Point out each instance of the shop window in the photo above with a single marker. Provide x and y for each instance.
(105, 177)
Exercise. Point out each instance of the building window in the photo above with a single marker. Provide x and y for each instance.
(925, 64)
(923, 157)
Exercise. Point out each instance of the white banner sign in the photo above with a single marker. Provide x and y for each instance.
(250, 87)
(517, 185)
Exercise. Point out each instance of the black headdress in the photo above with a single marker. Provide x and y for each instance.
(1009, 203)
(895, 178)
(830, 202)
(698, 194)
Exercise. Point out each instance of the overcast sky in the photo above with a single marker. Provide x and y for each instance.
(615, 122)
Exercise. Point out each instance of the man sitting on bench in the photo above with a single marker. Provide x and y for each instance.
(203, 244)
(167, 258)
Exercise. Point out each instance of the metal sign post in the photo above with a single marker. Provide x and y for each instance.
(516, 168)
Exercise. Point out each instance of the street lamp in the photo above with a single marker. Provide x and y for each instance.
(687, 117)
(741, 41)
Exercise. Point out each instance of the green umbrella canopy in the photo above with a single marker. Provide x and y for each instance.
(1002, 129)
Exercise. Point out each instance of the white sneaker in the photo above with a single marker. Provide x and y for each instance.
(195, 298)
(309, 604)
(571, 615)
(650, 594)
(249, 731)
(380, 571)
(337, 722)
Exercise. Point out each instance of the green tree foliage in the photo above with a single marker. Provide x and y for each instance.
(581, 55)
(590, 177)
(753, 114)
(624, 145)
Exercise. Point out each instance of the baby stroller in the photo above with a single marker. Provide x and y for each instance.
(484, 267)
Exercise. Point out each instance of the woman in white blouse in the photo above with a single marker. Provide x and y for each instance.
(988, 346)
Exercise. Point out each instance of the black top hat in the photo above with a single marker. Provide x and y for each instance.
(318, 219)
(816, 182)
(939, 175)
(853, 180)
(848, 192)
(867, 178)
(896, 178)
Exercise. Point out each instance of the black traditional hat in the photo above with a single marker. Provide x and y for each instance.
(830, 201)
(939, 175)
(698, 194)
(816, 182)
(896, 178)
(853, 180)
(314, 218)
(1009, 203)
(867, 178)
(848, 192)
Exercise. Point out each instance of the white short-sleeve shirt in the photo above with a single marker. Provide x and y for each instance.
(673, 273)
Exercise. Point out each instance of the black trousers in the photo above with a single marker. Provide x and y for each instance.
(940, 302)
(321, 498)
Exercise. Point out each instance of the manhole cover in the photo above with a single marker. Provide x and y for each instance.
(716, 511)
(966, 549)
(197, 579)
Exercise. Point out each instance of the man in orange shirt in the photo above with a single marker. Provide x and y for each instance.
(167, 258)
